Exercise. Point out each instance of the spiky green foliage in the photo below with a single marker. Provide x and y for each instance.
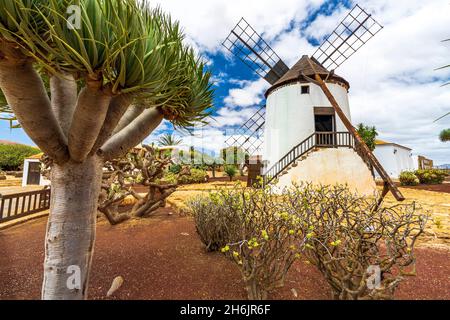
(169, 140)
(131, 47)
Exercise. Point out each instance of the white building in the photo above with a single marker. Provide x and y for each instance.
(301, 125)
(394, 158)
(32, 172)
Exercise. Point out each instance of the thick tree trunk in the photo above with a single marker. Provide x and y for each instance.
(71, 225)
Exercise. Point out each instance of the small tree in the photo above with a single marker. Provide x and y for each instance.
(368, 134)
(444, 136)
(169, 139)
(230, 171)
(87, 91)
(143, 167)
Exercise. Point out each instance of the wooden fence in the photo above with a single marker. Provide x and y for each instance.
(13, 206)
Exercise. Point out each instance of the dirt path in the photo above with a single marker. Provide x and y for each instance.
(162, 258)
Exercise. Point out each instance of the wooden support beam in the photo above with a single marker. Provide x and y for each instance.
(364, 149)
(383, 194)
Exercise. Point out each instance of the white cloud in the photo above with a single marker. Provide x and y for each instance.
(207, 23)
(249, 94)
(393, 82)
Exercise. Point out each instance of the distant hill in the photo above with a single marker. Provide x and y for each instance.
(8, 142)
(444, 166)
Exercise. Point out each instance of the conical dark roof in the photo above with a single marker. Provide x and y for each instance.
(303, 67)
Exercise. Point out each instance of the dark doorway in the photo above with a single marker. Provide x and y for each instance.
(324, 125)
(34, 173)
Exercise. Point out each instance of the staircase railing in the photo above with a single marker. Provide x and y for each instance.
(316, 140)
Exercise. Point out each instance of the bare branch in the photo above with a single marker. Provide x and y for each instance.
(87, 122)
(116, 110)
(131, 113)
(26, 95)
(131, 135)
(64, 96)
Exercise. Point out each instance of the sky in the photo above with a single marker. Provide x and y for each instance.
(394, 82)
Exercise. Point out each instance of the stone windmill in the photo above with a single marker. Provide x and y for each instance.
(303, 132)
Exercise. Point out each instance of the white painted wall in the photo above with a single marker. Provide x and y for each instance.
(42, 181)
(394, 159)
(290, 117)
(331, 167)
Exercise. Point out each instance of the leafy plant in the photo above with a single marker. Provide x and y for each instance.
(175, 168)
(444, 136)
(430, 176)
(169, 139)
(408, 178)
(195, 176)
(368, 134)
(231, 171)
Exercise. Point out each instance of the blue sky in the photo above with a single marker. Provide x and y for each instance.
(394, 85)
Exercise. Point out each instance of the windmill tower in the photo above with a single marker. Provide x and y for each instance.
(304, 126)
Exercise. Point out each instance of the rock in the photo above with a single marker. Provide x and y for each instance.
(116, 284)
(294, 292)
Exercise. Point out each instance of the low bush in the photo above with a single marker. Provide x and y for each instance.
(363, 251)
(213, 221)
(252, 232)
(430, 176)
(175, 168)
(408, 178)
(185, 175)
(231, 171)
(195, 176)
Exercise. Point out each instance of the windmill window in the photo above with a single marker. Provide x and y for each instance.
(305, 89)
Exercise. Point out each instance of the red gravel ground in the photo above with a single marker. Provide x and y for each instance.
(163, 258)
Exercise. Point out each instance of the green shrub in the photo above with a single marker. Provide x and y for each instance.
(213, 221)
(175, 168)
(408, 178)
(13, 155)
(231, 171)
(430, 176)
(195, 176)
(169, 177)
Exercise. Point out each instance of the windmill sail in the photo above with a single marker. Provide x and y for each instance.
(245, 43)
(249, 136)
(352, 33)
